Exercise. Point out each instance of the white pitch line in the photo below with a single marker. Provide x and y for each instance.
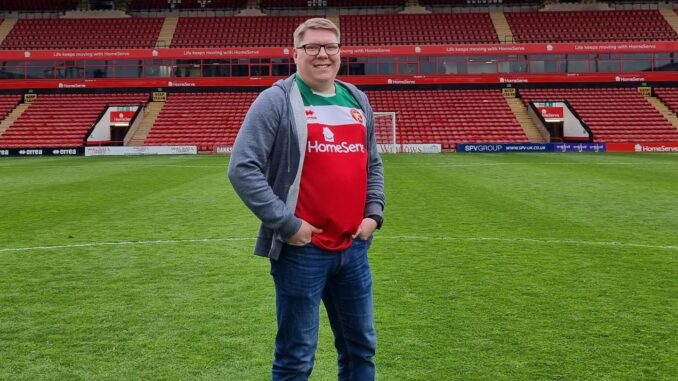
(536, 240)
(123, 243)
(396, 238)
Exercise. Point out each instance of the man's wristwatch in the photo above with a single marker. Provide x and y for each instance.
(379, 219)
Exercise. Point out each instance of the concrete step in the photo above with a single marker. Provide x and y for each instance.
(151, 114)
(671, 17)
(167, 32)
(664, 110)
(502, 27)
(525, 121)
(13, 116)
(6, 27)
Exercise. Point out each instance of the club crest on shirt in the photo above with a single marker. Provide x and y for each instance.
(310, 115)
(357, 116)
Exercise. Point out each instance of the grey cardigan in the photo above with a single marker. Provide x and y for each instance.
(268, 155)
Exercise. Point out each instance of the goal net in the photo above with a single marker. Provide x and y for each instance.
(385, 129)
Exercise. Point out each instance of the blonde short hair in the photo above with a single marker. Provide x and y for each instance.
(314, 23)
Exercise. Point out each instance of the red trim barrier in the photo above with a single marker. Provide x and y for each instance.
(643, 147)
(394, 80)
(347, 51)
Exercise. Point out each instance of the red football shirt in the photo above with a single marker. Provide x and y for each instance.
(334, 176)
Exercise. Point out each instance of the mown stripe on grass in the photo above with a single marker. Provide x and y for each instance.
(397, 238)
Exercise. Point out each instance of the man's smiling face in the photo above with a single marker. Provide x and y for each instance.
(318, 72)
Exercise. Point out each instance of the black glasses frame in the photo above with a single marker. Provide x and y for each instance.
(320, 46)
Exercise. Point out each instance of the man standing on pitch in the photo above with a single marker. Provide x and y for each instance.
(306, 163)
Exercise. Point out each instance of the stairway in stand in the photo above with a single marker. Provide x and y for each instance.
(152, 111)
(661, 107)
(167, 32)
(502, 27)
(13, 116)
(525, 121)
(671, 17)
(5, 27)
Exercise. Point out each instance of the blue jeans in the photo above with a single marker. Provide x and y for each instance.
(305, 275)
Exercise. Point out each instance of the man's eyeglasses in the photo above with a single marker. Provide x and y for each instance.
(314, 49)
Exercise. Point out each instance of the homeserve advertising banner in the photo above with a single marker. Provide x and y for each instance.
(121, 117)
(552, 113)
(643, 147)
(399, 50)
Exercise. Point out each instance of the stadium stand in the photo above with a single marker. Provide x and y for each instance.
(449, 117)
(427, 29)
(261, 31)
(188, 4)
(668, 95)
(202, 119)
(616, 115)
(623, 25)
(83, 33)
(61, 120)
(7, 104)
(38, 5)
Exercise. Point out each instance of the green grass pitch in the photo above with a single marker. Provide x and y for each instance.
(489, 267)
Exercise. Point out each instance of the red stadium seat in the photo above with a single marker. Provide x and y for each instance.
(449, 117)
(7, 104)
(262, 31)
(614, 115)
(668, 95)
(202, 119)
(571, 26)
(61, 120)
(83, 33)
(428, 29)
